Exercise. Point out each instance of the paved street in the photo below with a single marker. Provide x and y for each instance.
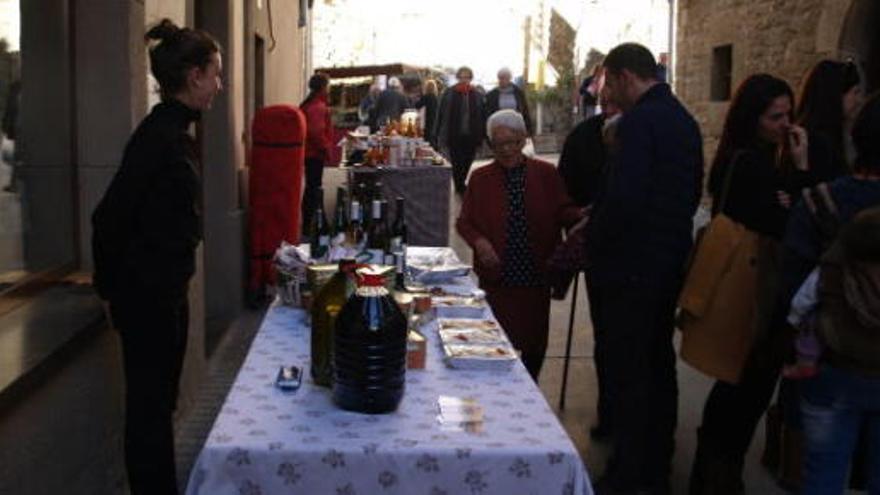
(577, 417)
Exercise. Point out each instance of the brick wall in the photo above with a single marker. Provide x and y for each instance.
(782, 37)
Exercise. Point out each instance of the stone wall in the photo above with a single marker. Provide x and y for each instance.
(781, 37)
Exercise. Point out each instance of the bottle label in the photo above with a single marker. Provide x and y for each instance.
(377, 209)
(389, 259)
(355, 211)
(324, 240)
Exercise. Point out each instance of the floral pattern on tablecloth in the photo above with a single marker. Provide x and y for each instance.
(266, 441)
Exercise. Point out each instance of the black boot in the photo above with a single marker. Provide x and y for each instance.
(712, 474)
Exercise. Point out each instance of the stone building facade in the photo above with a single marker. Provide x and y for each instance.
(721, 42)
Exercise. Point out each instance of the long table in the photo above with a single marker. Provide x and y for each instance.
(266, 441)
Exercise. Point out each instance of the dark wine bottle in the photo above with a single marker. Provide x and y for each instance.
(355, 235)
(320, 242)
(398, 244)
(340, 220)
(378, 236)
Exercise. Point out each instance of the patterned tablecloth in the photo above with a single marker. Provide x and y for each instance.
(427, 193)
(266, 441)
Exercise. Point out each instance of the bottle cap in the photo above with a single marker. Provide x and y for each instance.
(369, 277)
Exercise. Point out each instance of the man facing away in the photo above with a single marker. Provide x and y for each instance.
(637, 242)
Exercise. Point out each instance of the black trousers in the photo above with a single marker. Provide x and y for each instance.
(733, 411)
(314, 178)
(154, 337)
(461, 153)
(603, 405)
(638, 359)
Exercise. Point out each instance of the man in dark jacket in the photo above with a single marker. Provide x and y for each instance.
(508, 96)
(461, 125)
(637, 241)
(390, 104)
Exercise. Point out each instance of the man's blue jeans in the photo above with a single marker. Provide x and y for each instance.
(838, 406)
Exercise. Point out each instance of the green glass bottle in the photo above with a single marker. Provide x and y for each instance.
(325, 308)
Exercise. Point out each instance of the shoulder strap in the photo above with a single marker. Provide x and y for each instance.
(728, 178)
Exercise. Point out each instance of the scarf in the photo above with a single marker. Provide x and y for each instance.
(463, 88)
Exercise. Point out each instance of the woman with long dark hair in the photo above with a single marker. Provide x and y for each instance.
(829, 102)
(146, 229)
(747, 182)
(319, 142)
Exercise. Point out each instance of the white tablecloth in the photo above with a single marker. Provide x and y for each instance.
(266, 441)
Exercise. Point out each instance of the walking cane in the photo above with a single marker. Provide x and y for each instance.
(574, 297)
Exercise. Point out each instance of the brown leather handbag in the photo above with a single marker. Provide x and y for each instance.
(718, 304)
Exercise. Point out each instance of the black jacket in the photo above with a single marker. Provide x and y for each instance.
(389, 106)
(522, 106)
(752, 195)
(642, 227)
(583, 160)
(429, 102)
(148, 224)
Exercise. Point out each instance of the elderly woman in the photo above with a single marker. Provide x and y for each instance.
(512, 216)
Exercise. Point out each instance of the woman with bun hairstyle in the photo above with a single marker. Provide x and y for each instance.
(145, 232)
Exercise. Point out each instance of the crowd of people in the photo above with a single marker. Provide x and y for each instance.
(631, 176)
(802, 174)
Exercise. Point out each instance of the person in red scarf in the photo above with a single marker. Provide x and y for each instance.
(459, 126)
(319, 142)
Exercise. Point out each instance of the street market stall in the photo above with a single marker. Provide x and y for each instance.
(487, 431)
(349, 86)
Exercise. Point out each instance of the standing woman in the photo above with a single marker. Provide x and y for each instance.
(146, 229)
(512, 217)
(319, 143)
(429, 102)
(829, 103)
(747, 171)
(459, 127)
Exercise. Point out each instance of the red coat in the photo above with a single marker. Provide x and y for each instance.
(319, 128)
(485, 208)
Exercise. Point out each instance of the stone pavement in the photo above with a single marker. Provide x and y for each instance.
(577, 417)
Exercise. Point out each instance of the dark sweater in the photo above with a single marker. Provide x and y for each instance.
(583, 160)
(429, 102)
(641, 231)
(147, 226)
(752, 196)
(803, 241)
(522, 106)
(389, 106)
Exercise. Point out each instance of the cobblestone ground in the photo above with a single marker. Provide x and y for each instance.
(578, 415)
